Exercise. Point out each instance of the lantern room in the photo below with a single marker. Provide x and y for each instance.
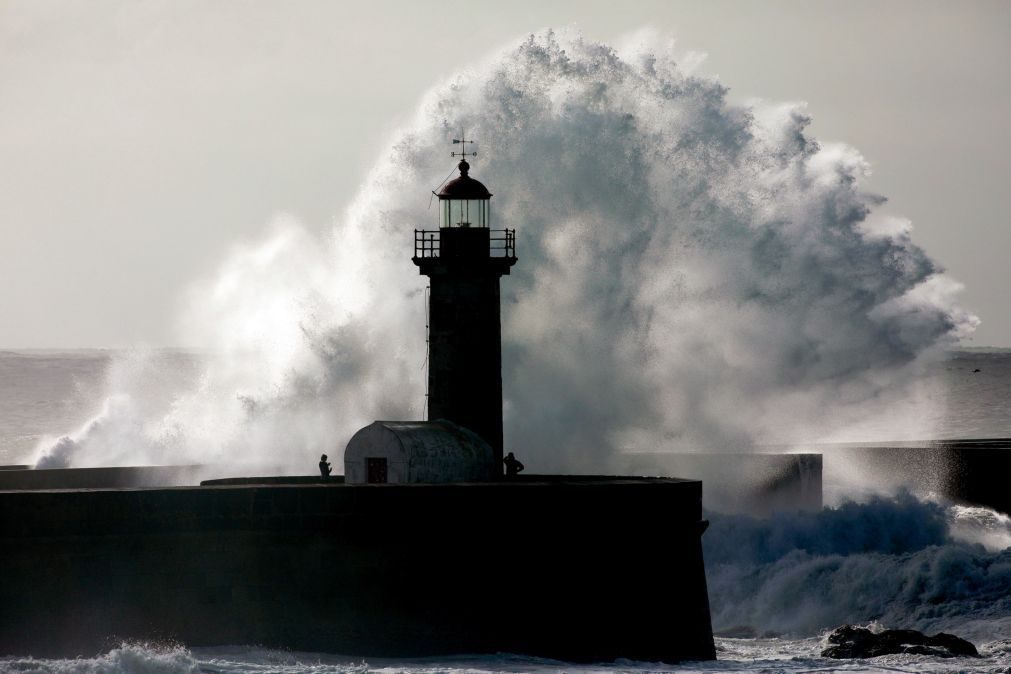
(464, 201)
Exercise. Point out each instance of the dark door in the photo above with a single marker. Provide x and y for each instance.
(375, 470)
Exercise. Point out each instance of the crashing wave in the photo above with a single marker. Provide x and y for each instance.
(692, 273)
(900, 562)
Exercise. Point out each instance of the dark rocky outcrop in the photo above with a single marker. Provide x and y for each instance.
(857, 642)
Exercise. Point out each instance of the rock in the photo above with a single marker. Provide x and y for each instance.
(856, 642)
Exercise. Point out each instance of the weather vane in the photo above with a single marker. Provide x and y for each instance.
(464, 167)
(463, 153)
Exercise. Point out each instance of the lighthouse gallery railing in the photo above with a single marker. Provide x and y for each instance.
(501, 243)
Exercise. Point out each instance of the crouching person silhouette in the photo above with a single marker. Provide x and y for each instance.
(324, 468)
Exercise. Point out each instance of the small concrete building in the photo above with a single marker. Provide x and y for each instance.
(400, 452)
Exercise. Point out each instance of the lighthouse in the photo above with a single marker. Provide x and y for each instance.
(461, 441)
(464, 259)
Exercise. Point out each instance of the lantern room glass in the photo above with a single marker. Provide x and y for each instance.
(464, 212)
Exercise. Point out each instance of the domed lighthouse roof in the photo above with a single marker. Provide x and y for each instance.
(464, 187)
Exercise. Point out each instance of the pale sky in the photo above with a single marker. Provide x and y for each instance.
(139, 141)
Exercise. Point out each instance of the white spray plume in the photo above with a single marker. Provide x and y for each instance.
(692, 274)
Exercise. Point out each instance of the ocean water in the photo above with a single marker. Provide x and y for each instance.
(977, 394)
(45, 390)
(765, 656)
(777, 586)
(45, 393)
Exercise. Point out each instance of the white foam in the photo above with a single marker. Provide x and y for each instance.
(974, 524)
(127, 658)
(735, 655)
(897, 561)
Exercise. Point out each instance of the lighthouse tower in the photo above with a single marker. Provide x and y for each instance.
(464, 260)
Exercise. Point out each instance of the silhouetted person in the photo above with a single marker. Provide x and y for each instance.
(513, 465)
(324, 467)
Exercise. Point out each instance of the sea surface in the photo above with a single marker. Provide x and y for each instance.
(777, 586)
(45, 393)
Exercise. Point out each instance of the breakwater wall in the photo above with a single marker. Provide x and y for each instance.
(119, 477)
(751, 483)
(116, 477)
(972, 471)
(581, 569)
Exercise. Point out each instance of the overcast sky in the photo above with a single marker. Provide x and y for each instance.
(140, 140)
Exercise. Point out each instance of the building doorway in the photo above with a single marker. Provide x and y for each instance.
(375, 470)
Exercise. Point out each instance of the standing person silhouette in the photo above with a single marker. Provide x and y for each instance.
(513, 465)
(324, 467)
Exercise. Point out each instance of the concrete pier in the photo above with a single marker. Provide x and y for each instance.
(25, 477)
(751, 483)
(968, 471)
(119, 477)
(575, 568)
(971, 471)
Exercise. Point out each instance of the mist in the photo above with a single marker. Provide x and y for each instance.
(693, 274)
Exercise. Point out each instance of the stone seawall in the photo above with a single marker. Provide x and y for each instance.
(117, 477)
(971, 471)
(579, 569)
(752, 483)
(18, 478)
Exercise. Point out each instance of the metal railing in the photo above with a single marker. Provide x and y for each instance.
(501, 243)
(426, 243)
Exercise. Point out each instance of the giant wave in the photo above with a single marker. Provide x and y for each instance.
(692, 273)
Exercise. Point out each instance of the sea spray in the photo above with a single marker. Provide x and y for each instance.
(143, 386)
(127, 658)
(692, 273)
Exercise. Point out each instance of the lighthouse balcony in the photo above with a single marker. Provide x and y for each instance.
(460, 242)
